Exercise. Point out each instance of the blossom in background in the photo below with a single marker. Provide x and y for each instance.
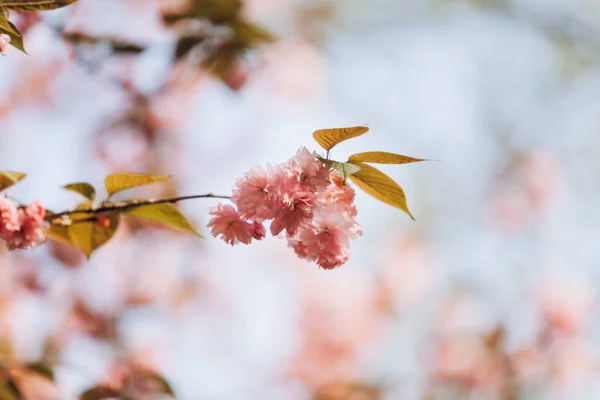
(566, 303)
(4, 43)
(466, 359)
(303, 198)
(22, 228)
(32, 385)
(339, 319)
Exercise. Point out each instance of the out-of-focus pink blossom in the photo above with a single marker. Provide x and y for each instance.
(256, 194)
(339, 318)
(408, 273)
(233, 229)
(236, 76)
(294, 69)
(9, 218)
(255, 9)
(307, 171)
(543, 176)
(35, 86)
(573, 361)
(33, 386)
(529, 364)
(511, 208)
(4, 44)
(566, 303)
(466, 360)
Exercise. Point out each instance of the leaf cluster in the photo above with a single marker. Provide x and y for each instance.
(357, 168)
(7, 27)
(243, 36)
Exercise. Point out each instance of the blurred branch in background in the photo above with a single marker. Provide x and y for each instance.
(466, 306)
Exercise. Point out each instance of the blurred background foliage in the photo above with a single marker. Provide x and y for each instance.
(490, 294)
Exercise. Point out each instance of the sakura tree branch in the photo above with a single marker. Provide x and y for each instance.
(124, 206)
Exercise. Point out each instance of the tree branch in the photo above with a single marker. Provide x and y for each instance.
(125, 205)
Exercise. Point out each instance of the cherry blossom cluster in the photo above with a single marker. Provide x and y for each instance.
(303, 198)
(22, 227)
(4, 43)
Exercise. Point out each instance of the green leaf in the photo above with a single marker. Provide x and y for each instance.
(328, 138)
(9, 178)
(83, 188)
(382, 157)
(120, 181)
(16, 39)
(345, 169)
(164, 213)
(90, 235)
(99, 393)
(42, 369)
(6, 26)
(35, 5)
(380, 186)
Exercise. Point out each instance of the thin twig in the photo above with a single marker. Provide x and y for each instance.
(128, 205)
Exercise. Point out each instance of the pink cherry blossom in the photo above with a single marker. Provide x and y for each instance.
(301, 197)
(340, 194)
(327, 238)
(258, 231)
(4, 44)
(233, 229)
(9, 218)
(35, 213)
(256, 193)
(22, 228)
(307, 171)
(299, 247)
(31, 231)
(295, 211)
